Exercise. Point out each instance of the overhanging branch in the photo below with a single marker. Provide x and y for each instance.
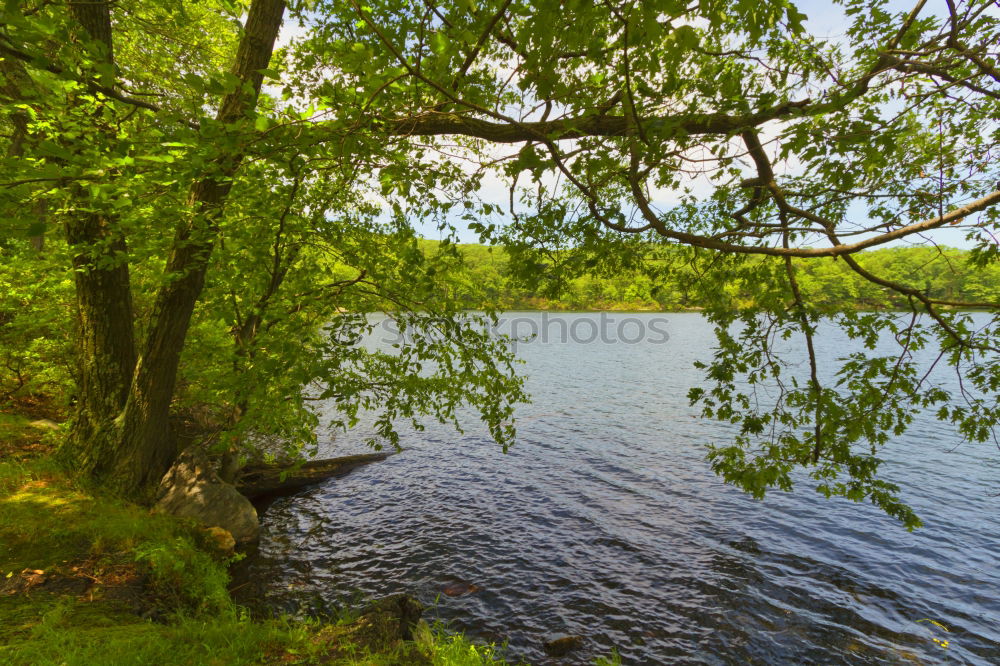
(441, 124)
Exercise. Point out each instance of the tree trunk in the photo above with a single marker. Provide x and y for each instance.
(106, 339)
(270, 481)
(105, 319)
(146, 447)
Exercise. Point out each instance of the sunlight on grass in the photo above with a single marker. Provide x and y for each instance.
(450, 649)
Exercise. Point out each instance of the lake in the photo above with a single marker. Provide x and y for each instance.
(606, 521)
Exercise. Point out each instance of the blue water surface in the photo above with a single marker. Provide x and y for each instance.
(605, 521)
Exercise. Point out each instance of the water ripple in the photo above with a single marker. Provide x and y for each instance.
(605, 521)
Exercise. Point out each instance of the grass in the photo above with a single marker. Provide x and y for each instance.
(88, 580)
(20, 440)
(450, 648)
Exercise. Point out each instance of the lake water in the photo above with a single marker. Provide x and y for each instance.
(605, 521)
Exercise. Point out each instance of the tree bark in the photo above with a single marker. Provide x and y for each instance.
(146, 446)
(105, 319)
(121, 436)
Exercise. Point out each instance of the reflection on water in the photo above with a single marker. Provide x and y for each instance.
(605, 521)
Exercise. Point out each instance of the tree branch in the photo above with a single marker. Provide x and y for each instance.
(440, 124)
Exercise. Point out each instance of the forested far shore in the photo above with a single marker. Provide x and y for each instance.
(36, 329)
(942, 273)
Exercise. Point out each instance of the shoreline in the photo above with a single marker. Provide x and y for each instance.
(86, 578)
(90, 579)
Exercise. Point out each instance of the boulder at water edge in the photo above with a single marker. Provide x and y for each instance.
(192, 489)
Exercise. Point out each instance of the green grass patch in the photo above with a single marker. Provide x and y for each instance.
(116, 584)
(451, 649)
(20, 439)
(73, 632)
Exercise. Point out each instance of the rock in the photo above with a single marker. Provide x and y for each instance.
(220, 539)
(394, 617)
(192, 489)
(562, 645)
(390, 626)
(747, 545)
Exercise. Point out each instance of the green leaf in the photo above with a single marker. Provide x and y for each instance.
(439, 42)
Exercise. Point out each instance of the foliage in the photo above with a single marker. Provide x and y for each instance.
(613, 660)
(285, 346)
(303, 240)
(733, 146)
(35, 325)
(660, 138)
(184, 576)
(665, 284)
(450, 649)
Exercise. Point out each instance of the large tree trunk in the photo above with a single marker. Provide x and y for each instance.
(121, 436)
(105, 326)
(106, 338)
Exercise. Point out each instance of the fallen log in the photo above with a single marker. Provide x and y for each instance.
(260, 481)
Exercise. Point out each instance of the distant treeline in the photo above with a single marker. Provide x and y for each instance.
(942, 273)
